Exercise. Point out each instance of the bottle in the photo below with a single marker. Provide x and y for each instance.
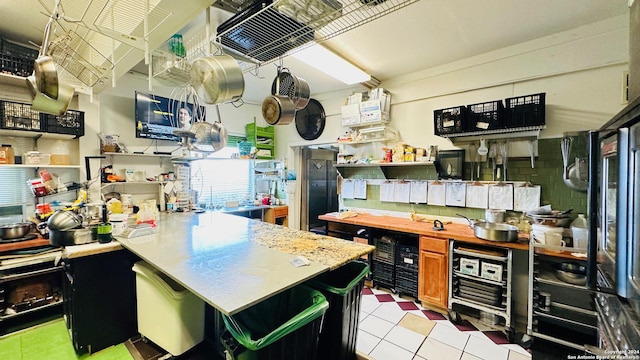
(580, 221)
(6, 154)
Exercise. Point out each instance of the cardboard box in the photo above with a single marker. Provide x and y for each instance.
(491, 271)
(470, 266)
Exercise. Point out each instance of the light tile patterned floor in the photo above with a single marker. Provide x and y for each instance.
(398, 328)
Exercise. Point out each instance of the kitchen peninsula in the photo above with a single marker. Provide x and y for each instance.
(232, 262)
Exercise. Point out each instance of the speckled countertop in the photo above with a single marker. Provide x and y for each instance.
(232, 262)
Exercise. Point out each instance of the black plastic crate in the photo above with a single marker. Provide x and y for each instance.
(17, 50)
(385, 250)
(485, 116)
(525, 110)
(19, 116)
(383, 273)
(407, 256)
(450, 120)
(407, 281)
(72, 123)
(15, 65)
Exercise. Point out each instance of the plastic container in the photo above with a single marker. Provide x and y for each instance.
(168, 314)
(580, 221)
(343, 289)
(285, 326)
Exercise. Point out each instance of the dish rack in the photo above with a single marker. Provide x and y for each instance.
(480, 279)
(265, 30)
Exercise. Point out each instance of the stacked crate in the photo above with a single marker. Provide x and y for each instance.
(407, 270)
(384, 262)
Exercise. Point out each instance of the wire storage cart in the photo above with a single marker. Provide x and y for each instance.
(480, 279)
(561, 307)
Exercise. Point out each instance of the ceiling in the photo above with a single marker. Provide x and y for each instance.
(422, 35)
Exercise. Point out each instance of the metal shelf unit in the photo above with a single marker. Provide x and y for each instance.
(570, 319)
(471, 290)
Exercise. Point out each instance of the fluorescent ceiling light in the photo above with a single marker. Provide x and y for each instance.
(322, 59)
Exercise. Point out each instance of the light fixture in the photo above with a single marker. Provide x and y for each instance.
(322, 59)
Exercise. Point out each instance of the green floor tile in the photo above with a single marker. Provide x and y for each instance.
(10, 348)
(51, 341)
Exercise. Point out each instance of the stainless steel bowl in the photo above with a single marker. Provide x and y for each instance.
(64, 220)
(15, 231)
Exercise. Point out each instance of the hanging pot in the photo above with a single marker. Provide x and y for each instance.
(44, 68)
(217, 79)
(278, 110)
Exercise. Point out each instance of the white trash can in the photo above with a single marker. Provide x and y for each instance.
(168, 314)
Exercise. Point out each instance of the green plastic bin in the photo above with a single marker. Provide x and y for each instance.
(285, 326)
(343, 289)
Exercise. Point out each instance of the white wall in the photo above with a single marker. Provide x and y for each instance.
(581, 72)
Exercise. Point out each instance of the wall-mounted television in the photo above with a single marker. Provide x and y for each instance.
(157, 116)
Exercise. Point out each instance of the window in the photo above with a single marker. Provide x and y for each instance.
(221, 180)
(14, 189)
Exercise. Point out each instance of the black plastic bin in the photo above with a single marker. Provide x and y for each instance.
(285, 326)
(343, 289)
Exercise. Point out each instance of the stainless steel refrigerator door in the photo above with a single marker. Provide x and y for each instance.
(633, 225)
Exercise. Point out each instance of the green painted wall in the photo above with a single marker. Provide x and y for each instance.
(547, 173)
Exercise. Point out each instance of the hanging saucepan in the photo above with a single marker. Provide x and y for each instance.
(278, 110)
(219, 133)
(44, 68)
(217, 79)
(45, 104)
(295, 88)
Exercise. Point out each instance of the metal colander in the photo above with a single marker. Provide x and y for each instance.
(291, 86)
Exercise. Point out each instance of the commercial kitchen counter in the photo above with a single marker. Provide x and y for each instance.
(232, 262)
(460, 232)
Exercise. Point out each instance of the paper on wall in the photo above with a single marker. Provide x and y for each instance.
(347, 189)
(387, 191)
(402, 190)
(436, 193)
(526, 198)
(418, 193)
(360, 189)
(501, 196)
(477, 196)
(455, 193)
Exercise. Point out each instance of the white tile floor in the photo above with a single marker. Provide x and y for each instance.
(387, 331)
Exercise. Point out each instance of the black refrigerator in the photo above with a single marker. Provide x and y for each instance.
(320, 195)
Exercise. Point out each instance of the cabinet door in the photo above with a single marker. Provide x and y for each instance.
(433, 279)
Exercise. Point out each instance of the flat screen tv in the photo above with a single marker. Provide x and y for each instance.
(157, 117)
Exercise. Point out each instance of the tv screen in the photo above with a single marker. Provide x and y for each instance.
(157, 117)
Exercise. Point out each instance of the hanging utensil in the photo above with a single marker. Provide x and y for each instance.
(505, 158)
(531, 151)
(44, 67)
(474, 154)
(492, 157)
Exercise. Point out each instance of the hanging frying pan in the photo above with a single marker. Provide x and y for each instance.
(310, 121)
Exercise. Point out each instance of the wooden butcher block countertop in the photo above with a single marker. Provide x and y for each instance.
(460, 232)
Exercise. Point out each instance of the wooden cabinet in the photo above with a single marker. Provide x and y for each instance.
(433, 278)
(277, 215)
